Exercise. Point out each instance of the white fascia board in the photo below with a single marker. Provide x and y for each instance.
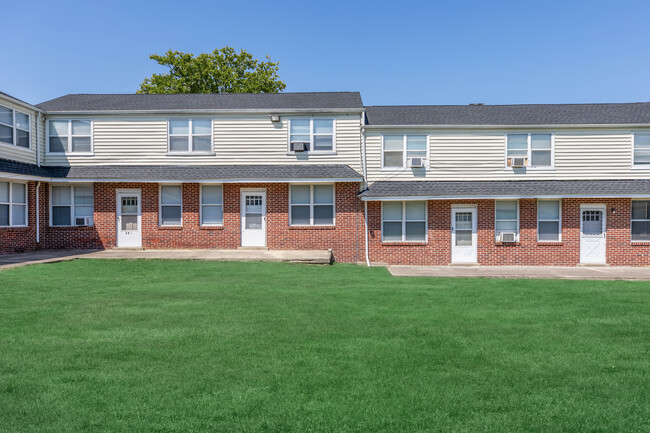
(503, 197)
(531, 126)
(21, 103)
(281, 112)
(176, 181)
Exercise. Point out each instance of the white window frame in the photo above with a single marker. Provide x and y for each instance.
(160, 204)
(201, 205)
(190, 135)
(637, 219)
(496, 233)
(11, 204)
(559, 220)
(405, 152)
(634, 164)
(15, 128)
(72, 204)
(404, 221)
(529, 151)
(69, 151)
(312, 204)
(311, 136)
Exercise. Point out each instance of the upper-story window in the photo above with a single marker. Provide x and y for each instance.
(316, 134)
(190, 135)
(397, 149)
(14, 127)
(642, 149)
(70, 136)
(536, 149)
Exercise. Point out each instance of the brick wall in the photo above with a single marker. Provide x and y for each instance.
(528, 251)
(21, 239)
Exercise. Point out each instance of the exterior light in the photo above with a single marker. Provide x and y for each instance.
(275, 118)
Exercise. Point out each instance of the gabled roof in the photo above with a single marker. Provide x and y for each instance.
(509, 115)
(79, 103)
(432, 190)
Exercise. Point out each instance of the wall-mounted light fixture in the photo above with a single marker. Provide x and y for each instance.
(275, 118)
(613, 211)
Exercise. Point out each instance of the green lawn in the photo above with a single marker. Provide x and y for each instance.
(177, 346)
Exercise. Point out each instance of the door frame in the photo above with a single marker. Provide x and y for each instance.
(601, 207)
(118, 213)
(242, 211)
(464, 208)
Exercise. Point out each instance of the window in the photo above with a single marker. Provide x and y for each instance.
(190, 135)
(14, 127)
(13, 204)
(537, 148)
(171, 205)
(70, 136)
(397, 148)
(549, 220)
(211, 205)
(641, 220)
(311, 205)
(506, 217)
(404, 221)
(642, 149)
(71, 205)
(319, 133)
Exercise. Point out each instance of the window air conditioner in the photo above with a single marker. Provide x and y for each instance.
(508, 237)
(416, 162)
(85, 221)
(517, 162)
(300, 146)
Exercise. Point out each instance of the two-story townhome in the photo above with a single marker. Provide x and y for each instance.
(429, 185)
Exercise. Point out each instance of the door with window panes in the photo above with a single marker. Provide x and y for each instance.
(129, 220)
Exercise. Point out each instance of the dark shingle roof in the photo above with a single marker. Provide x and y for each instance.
(531, 114)
(8, 166)
(511, 188)
(203, 101)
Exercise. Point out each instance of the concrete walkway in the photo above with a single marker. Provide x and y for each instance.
(558, 272)
(260, 255)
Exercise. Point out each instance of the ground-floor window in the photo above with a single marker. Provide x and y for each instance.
(71, 205)
(13, 204)
(311, 205)
(211, 205)
(404, 221)
(506, 217)
(549, 220)
(641, 220)
(171, 205)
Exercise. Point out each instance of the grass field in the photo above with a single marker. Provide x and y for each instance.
(177, 346)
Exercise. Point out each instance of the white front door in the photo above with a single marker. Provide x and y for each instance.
(593, 234)
(129, 218)
(253, 218)
(463, 235)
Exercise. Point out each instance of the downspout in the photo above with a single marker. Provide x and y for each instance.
(38, 141)
(365, 183)
(38, 212)
(366, 230)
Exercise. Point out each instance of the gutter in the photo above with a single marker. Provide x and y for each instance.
(281, 111)
(529, 126)
(502, 197)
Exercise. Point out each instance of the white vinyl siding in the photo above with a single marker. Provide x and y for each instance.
(641, 151)
(211, 205)
(398, 148)
(549, 220)
(67, 203)
(506, 217)
(13, 204)
(70, 136)
(311, 205)
(640, 221)
(171, 205)
(319, 133)
(404, 221)
(190, 136)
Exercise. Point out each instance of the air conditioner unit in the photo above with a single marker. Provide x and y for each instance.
(416, 162)
(300, 146)
(517, 162)
(85, 221)
(508, 237)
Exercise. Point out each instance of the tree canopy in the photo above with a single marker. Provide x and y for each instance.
(221, 71)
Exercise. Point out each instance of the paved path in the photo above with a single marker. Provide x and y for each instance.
(51, 256)
(560, 272)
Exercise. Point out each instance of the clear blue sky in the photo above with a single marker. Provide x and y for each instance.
(431, 52)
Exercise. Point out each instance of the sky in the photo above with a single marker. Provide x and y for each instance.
(394, 53)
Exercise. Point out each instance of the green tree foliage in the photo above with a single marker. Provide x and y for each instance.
(221, 71)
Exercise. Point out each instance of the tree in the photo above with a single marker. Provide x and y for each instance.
(222, 71)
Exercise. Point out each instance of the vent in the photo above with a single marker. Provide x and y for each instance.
(508, 237)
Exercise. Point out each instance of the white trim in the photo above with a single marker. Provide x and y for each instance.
(15, 129)
(11, 204)
(529, 154)
(190, 136)
(473, 208)
(69, 137)
(311, 136)
(597, 207)
(160, 205)
(243, 192)
(71, 205)
(405, 152)
(501, 197)
(559, 221)
(634, 165)
(211, 205)
(23, 104)
(404, 221)
(212, 111)
(527, 126)
(637, 219)
(496, 233)
(118, 213)
(311, 205)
